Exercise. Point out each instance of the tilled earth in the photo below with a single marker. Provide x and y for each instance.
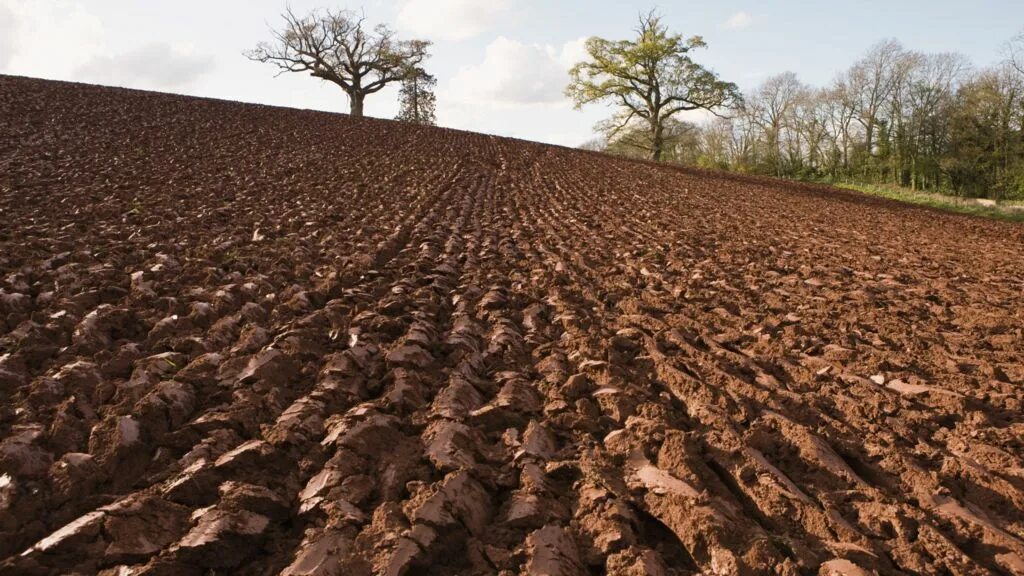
(240, 339)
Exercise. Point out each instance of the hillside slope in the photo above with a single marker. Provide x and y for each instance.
(250, 340)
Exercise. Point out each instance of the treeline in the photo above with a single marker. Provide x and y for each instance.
(898, 117)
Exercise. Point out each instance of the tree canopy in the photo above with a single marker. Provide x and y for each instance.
(336, 46)
(650, 78)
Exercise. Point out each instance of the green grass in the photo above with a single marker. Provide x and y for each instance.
(1010, 211)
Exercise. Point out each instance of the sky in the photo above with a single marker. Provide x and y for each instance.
(502, 65)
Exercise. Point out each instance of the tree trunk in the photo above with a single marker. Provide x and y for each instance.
(355, 101)
(870, 138)
(774, 153)
(416, 100)
(657, 140)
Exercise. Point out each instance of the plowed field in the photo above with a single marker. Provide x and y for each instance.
(241, 339)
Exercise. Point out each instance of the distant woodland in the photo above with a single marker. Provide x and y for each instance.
(931, 122)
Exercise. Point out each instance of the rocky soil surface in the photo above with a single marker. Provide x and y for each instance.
(241, 339)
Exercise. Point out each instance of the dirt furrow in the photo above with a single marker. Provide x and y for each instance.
(244, 339)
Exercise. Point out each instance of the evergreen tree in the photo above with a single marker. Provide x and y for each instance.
(416, 97)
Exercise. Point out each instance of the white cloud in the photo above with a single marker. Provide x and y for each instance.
(7, 31)
(570, 139)
(738, 21)
(48, 39)
(515, 74)
(573, 51)
(62, 40)
(452, 19)
(157, 66)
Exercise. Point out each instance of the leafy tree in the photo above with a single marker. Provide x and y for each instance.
(336, 46)
(650, 78)
(416, 97)
(986, 152)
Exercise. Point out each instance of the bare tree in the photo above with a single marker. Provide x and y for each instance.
(842, 110)
(771, 108)
(930, 94)
(598, 144)
(336, 46)
(871, 82)
(1015, 53)
(716, 138)
(813, 115)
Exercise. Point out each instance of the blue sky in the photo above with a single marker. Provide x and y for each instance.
(501, 64)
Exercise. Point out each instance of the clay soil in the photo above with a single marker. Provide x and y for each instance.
(241, 339)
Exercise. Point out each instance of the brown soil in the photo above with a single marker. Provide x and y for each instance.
(251, 340)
